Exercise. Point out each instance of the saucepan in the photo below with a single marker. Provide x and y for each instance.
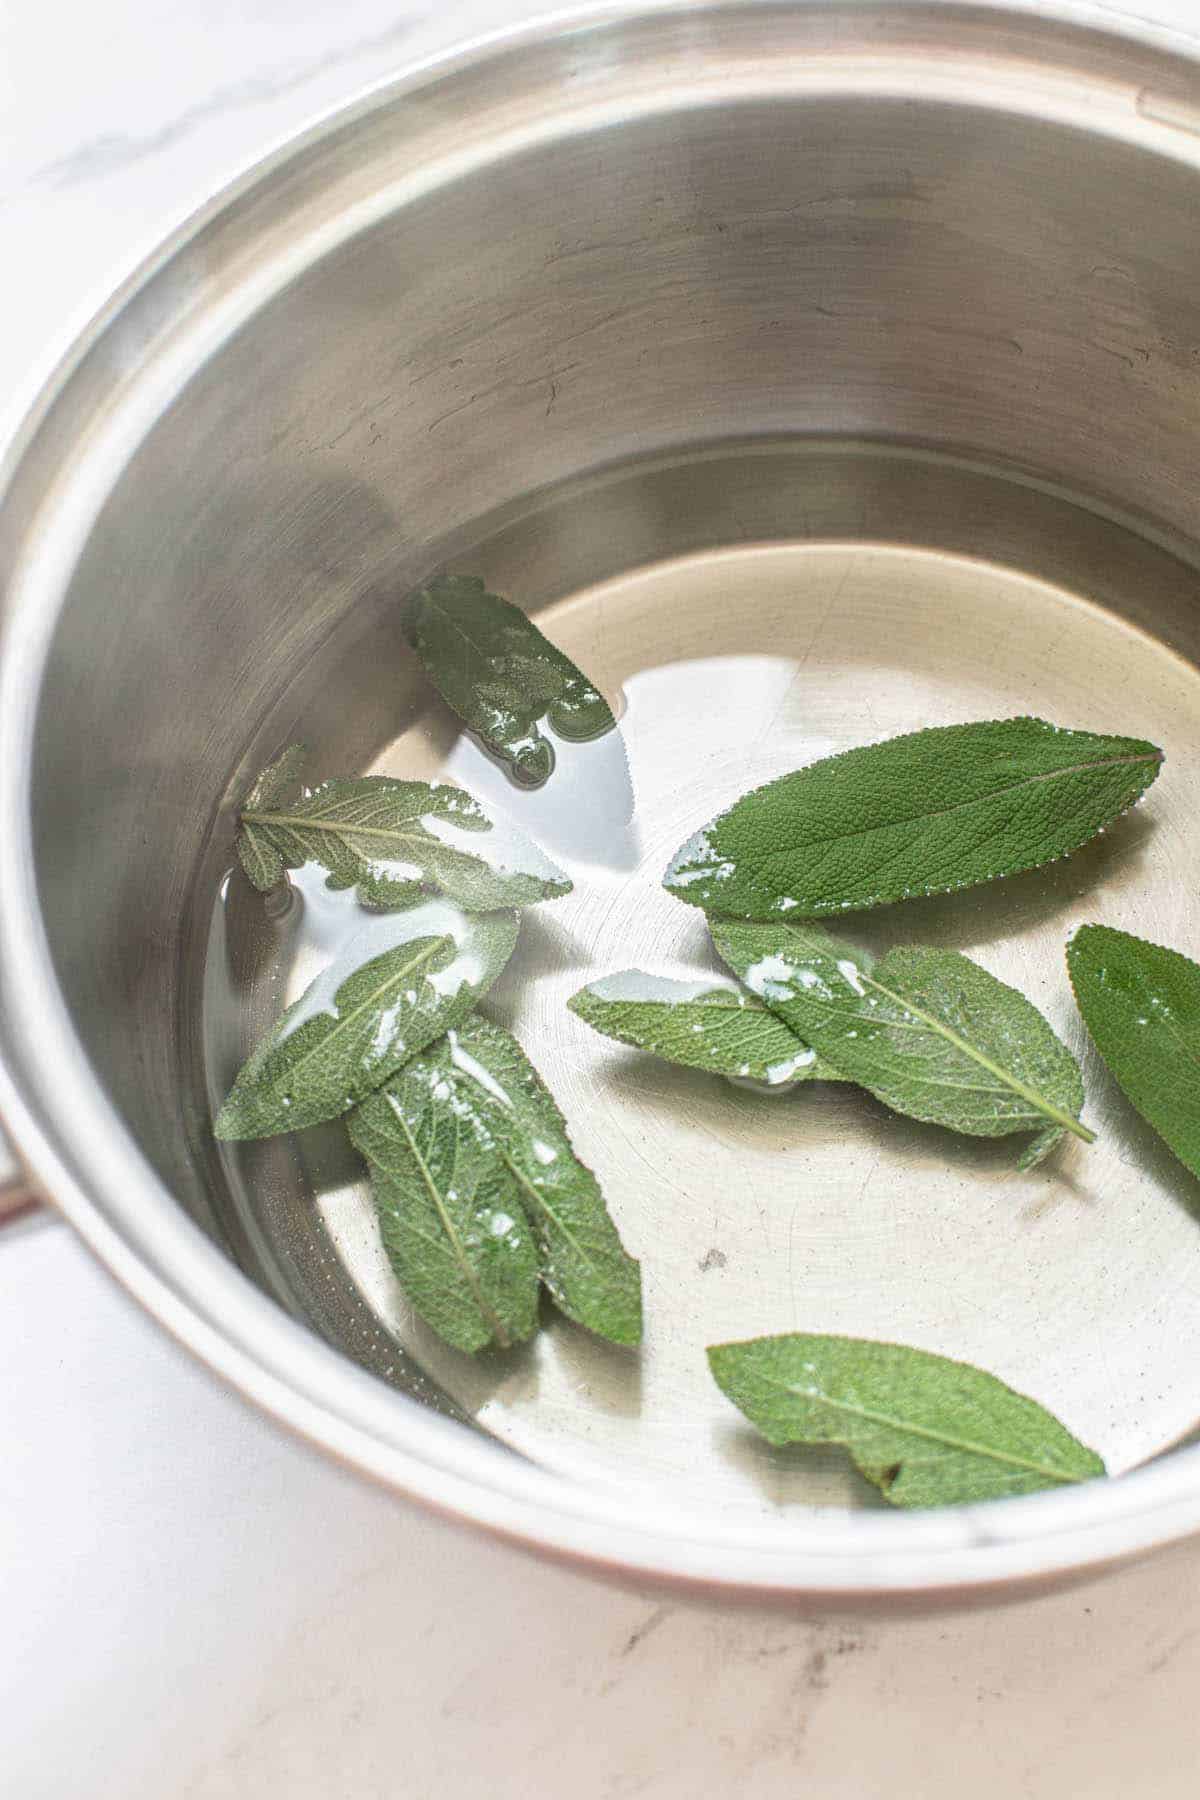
(893, 308)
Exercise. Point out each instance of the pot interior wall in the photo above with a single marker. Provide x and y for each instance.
(635, 343)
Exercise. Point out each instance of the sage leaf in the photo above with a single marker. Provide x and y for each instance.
(707, 1024)
(927, 1431)
(398, 983)
(1141, 1004)
(922, 814)
(452, 1223)
(258, 856)
(583, 1264)
(928, 1032)
(388, 838)
(502, 676)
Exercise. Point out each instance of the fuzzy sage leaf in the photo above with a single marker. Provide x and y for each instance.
(502, 676)
(928, 1032)
(389, 838)
(257, 853)
(709, 1023)
(396, 985)
(927, 1431)
(1141, 1004)
(922, 814)
(585, 1268)
(451, 1220)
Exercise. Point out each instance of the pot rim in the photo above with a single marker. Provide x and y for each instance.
(58, 1114)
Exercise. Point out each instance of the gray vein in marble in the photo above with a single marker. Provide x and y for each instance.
(101, 156)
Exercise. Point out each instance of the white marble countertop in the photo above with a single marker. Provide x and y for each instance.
(196, 1608)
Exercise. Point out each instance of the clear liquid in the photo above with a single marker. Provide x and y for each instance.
(1079, 1282)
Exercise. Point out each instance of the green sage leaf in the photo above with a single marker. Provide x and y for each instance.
(927, 1431)
(451, 1220)
(398, 984)
(707, 1024)
(585, 1268)
(1141, 1004)
(922, 814)
(280, 777)
(387, 838)
(928, 1032)
(259, 858)
(502, 676)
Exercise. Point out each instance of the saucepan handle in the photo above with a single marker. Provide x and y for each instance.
(16, 1195)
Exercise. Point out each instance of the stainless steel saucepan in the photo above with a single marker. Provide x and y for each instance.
(907, 296)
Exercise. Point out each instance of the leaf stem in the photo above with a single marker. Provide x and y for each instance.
(339, 827)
